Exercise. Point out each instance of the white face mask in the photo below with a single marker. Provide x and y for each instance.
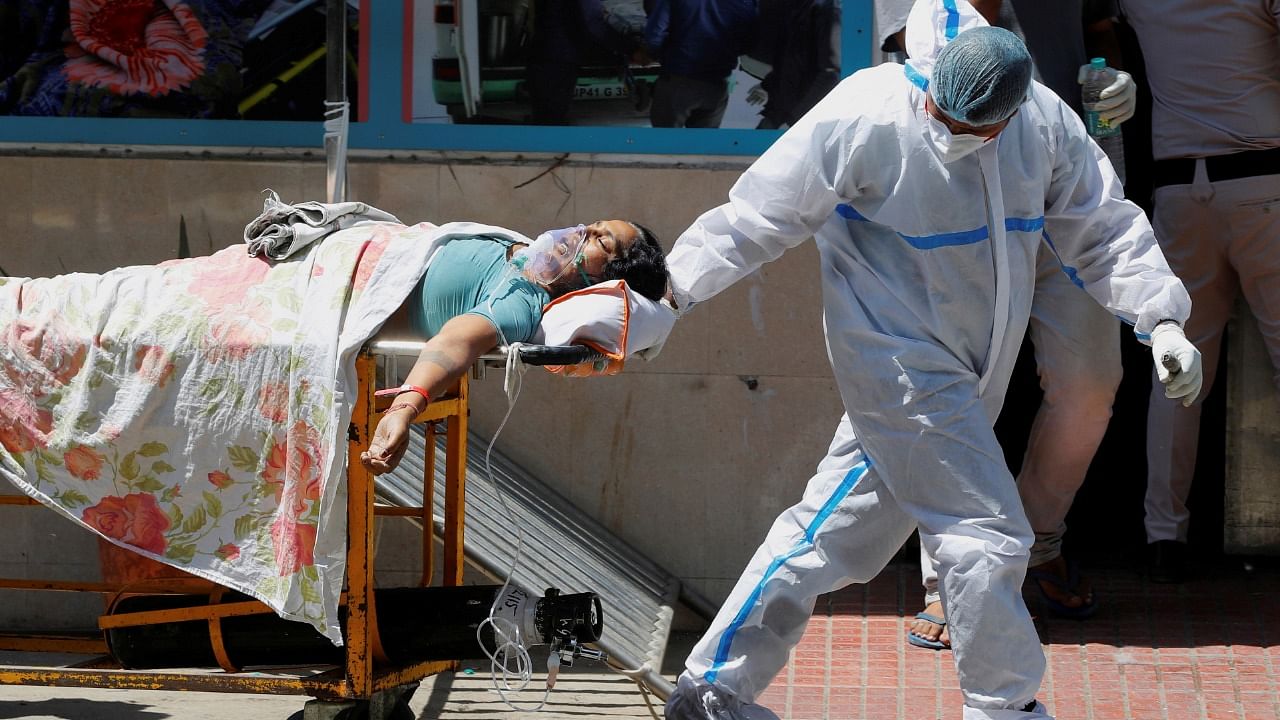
(950, 146)
(552, 255)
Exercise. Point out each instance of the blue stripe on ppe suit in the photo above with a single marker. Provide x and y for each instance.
(1072, 275)
(961, 237)
(810, 534)
(953, 19)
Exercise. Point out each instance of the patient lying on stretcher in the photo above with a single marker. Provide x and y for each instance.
(481, 292)
(197, 411)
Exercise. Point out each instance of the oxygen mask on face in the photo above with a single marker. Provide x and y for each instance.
(552, 254)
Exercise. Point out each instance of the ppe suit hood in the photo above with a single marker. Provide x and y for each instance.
(931, 25)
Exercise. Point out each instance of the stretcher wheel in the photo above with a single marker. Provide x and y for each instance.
(393, 703)
(401, 711)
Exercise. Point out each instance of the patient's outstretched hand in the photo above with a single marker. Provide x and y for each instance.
(389, 443)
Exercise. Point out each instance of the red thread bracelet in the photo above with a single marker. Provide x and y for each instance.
(402, 406)
(404, 389)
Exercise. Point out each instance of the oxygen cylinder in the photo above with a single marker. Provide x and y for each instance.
(414, 624)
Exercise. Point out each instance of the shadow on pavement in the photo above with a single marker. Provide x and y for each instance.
(77, 709)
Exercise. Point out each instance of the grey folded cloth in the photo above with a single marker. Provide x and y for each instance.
(283, 229)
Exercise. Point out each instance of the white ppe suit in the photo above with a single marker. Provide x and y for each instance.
(928, 273)
(1076, 341)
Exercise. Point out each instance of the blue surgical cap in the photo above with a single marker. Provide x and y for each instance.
(982, 76)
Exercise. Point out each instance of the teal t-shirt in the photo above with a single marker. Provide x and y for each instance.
(472, 276)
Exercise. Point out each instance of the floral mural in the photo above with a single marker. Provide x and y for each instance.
(135, 46)
(161, 58)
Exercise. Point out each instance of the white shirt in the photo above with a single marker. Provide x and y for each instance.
(1214, 71)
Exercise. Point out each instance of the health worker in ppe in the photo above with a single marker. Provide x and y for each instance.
(929, 188)
(1076, 340)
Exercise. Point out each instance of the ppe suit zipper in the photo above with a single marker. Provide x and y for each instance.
(987, 157)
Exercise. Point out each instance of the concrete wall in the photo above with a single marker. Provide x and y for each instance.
(1252, 503)
(681, 456)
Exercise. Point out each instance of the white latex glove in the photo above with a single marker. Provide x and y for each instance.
(1118, 100)
(663, 330)
(1177, 363)
(757, 95)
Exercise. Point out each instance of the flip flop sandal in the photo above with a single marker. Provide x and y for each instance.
(926, 643)
(1056, 607)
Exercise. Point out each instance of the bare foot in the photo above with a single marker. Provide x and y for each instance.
(928, 630)
(1059, 589)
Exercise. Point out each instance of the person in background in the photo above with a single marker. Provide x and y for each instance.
(698, 43)
(1077, 342)
(929, 189)
(800, 40)
(1214, 72)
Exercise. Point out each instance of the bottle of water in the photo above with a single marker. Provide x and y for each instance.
(1099, 77)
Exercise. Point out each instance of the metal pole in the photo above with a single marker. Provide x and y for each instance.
(335, 97)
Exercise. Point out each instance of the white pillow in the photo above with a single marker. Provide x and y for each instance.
(609, 317)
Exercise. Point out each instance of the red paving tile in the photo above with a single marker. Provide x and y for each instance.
(1205, 650)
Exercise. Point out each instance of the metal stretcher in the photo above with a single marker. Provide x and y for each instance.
(365, 682)
(565, 547)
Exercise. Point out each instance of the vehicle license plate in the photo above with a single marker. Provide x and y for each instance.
(600, 91)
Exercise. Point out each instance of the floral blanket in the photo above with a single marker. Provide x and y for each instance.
(196, 411)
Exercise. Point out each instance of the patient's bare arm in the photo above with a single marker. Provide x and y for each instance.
(445, 358)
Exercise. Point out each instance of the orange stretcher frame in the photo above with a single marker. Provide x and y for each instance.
(365, 671)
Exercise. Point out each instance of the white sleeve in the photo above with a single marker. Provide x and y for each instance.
(891, 16)
(1105, 243)
(778, 203)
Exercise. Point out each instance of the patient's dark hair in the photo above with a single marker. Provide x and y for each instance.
(643, 266)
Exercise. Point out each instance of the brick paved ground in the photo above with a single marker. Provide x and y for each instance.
(1205, 650)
